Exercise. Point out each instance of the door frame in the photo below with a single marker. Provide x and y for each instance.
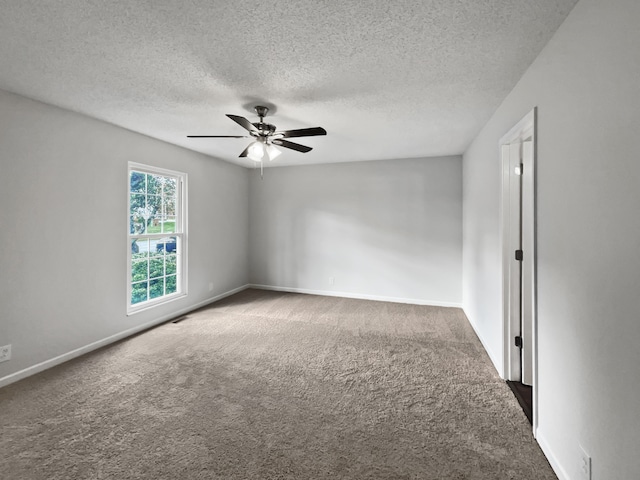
(526, 128)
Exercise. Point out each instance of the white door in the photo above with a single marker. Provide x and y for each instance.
(518, 222)
(515, 260)
(521, 288)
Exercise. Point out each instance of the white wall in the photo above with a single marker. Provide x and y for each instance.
(384, 229)
(63, 227)
(586, 84)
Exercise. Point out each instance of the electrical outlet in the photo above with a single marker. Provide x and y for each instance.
(211, 286)
(331, 280)
(585, 464)
(5, 353)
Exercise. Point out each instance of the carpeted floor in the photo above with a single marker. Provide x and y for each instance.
(266, 385)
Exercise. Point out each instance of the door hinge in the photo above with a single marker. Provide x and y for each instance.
(519, 255)
(519, 341)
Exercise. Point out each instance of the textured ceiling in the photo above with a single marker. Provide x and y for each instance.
(386, 79)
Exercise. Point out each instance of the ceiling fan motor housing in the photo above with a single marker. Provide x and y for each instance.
(266, 129)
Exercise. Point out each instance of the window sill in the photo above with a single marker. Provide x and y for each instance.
(132, 310)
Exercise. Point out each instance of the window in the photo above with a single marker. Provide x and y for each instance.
(156, 241)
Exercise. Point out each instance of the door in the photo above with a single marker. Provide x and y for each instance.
(518, 252)
(520, 272)
(515, 263)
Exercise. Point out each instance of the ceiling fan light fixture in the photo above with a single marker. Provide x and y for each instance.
(256, 151)
(260, 151)
(272, 151)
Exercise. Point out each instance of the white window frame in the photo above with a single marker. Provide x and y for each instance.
(180, 234)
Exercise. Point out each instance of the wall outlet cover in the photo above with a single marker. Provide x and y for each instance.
(5, 353)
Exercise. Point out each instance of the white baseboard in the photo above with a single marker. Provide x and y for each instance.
(27, 372)
(539, 436)
(553, 461)
(361, 296)
(498, 365)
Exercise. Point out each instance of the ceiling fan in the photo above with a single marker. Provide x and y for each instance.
(266, 137)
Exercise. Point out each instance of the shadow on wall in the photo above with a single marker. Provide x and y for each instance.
(362, 228)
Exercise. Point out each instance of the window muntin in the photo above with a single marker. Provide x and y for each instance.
(156, 240)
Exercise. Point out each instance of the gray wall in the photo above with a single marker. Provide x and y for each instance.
(586, 84)
(386, 229)
(63, 226)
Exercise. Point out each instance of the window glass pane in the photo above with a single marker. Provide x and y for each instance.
(156, 288)
(139, 270)
(155, 184)
(139, 292)
(154, 209)
(170, 204)
(138, 214)
(153, 245)
(165, 244)
(137, 201)
(137, 181)
(135, 249)
(169, 187)
(139, 248)
(156, 267)
(156, 247)
(171, 264)
(155, 225)
(169, 225)
(137, 225)
(171, 284)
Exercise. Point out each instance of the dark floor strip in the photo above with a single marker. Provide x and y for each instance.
(524, 395)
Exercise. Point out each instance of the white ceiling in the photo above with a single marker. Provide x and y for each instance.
(386, 79)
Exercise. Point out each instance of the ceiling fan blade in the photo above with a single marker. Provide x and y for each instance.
(217, 136)
(291, 145)
(303, 132)
(243, 122)
(245, 152)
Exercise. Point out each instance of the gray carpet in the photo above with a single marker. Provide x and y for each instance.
(266, 385)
